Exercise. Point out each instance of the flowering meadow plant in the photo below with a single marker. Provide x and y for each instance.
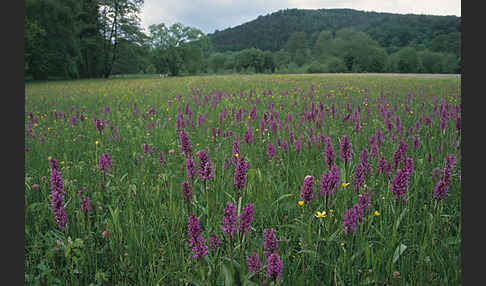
(243, 180)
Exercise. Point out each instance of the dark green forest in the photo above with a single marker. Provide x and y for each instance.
(67, 39)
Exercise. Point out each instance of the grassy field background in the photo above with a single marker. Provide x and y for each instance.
(137, 230)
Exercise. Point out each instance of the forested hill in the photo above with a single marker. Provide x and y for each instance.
(391, 31)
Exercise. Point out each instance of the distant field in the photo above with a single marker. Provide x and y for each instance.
(351, 179)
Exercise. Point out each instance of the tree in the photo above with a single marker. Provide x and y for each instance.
(118, 19)
(408, 60)
(282, 59)
(33, 36)
(250, 58)
(322, 45)
(90, 40)
(50, 40)
(170, 45)
(451, 63)
(358, 51)
(268, 61)
(217, 61)
(297, 47)
(447, 43)
(335, 65)
(431, 61)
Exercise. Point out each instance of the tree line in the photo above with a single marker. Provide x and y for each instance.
(348, 50)
(99, 38)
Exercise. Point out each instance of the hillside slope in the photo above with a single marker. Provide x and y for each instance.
(271, 32)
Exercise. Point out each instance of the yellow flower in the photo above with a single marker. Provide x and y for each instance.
(236, 155)
(377, 213)
(321, 215)
(96, 142)
(62, 162)
(301, 203)
(256, 130)
(345, 185)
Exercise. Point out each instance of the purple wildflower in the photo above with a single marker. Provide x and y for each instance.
(249, 136)
(246, 217)
(364, 161)
(379, 136)
(345, 149)
(190, 167)
(446, 172)
(100, 125)
(205, 166)
(236, 150)
(240, 174)
(399, 154)
(196, 241)
(354, 215)
(270, 242)
(146, 148)
(440, 190)
(408, 167)
(180, 121)
(185, 143)
(57, 189)
(104, 162)
(399, 184)
(186, 191)
(329, 181)
(271, 150)
(364, 201)
(214, 240)
(274, 268)
(298, 146)
(351, 219)
(359, 176)
(229, 220)
(443, 120)
(329, 153)
(307, 191)
(253, 263)
(226, 163)
(416, 141)
(86, 205)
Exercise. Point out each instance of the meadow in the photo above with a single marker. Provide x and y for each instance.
(244, 180)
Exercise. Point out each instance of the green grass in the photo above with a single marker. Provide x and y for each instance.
(141, 205)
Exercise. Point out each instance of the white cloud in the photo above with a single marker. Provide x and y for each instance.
(220, 14)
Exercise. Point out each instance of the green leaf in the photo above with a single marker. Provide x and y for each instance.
(123, 177)
(32, 207)
(308, 251)
(191, 279)
(400, 249)
(400, 218)
(334, 235)
(452, 240)
(281, 198)
(228, 275)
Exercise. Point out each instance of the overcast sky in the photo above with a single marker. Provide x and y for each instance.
(209, 15)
